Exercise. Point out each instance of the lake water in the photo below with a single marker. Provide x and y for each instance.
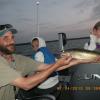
(26, 49)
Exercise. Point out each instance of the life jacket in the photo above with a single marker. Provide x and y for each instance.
(48, 56)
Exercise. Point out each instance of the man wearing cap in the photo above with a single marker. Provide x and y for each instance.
(14, 67)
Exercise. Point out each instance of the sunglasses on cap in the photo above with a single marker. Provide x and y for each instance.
(5, 28)
(2, 27)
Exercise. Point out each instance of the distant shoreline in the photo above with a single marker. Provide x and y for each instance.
(53, 41)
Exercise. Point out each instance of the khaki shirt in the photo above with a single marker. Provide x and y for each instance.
(10, 71)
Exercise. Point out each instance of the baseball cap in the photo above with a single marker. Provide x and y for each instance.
(5, 28)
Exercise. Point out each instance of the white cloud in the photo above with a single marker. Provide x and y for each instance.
(54, 16)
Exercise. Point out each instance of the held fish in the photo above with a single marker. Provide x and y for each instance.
(81, 54)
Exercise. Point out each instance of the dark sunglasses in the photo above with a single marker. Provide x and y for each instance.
(6, 26)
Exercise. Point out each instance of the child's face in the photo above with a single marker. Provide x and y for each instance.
(35, 45)
(97, 32)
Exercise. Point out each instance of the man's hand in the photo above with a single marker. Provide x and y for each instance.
(70, 64)
(64, 60)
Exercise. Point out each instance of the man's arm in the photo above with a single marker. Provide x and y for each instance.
(43, 66)
(31, 81)
(74, 62)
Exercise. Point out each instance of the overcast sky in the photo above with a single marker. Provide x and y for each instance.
(74, 17)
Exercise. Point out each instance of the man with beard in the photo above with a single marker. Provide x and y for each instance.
(94, 44)
(14, 67)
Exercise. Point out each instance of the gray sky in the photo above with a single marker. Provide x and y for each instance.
(74, 17)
